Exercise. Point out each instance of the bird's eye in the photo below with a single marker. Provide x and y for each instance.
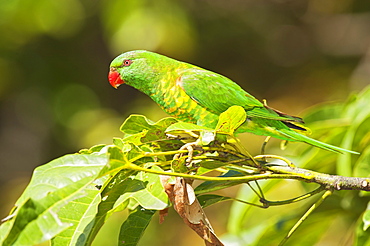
(127, 63)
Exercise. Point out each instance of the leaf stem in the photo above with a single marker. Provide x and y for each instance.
(296, 199)
(304, 217)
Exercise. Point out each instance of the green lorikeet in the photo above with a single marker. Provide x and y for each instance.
(193, 94)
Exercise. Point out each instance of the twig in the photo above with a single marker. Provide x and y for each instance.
(308, 212)
(292, 200)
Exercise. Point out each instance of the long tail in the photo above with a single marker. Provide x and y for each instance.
(295, 136)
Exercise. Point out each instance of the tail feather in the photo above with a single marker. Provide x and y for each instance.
(288, 116)
(295, 136)
(296, 126)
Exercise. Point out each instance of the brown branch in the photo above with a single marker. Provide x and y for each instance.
(184, 201)
(334, 182)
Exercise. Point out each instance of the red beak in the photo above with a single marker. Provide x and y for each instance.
(114, 78)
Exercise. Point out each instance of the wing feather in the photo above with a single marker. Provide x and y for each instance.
(217, 93)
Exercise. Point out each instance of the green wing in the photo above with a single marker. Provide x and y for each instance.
(217, 93)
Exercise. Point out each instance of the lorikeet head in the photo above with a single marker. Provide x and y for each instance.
(123, 67)
(139, 69)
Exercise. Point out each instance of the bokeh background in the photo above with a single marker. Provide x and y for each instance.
(54, 57)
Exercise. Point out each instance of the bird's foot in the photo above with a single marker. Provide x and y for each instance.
(190, 148)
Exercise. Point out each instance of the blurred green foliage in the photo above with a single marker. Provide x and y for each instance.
(54, 57)
(341, 218)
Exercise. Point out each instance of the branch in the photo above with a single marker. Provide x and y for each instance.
(331, 182)
(269, 171)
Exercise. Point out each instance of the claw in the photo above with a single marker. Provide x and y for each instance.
(190, 148)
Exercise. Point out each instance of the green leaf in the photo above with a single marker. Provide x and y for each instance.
(137, 138)
(358, 111)
(147, 190)
(112, 190)
(183, 127)
(137, 123)
(96, 148)
(323, 115)
(208, 166)
(134, 226)
(50, 194)
(138, 129)
(362, 236)
(209, 186)
(366, 218)
(231, 119)
(345, 125)
(95, 208)
(362, 166)
(39, 218)
(204, 134)
(210, 199)
(84, 210)
(62, 172)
